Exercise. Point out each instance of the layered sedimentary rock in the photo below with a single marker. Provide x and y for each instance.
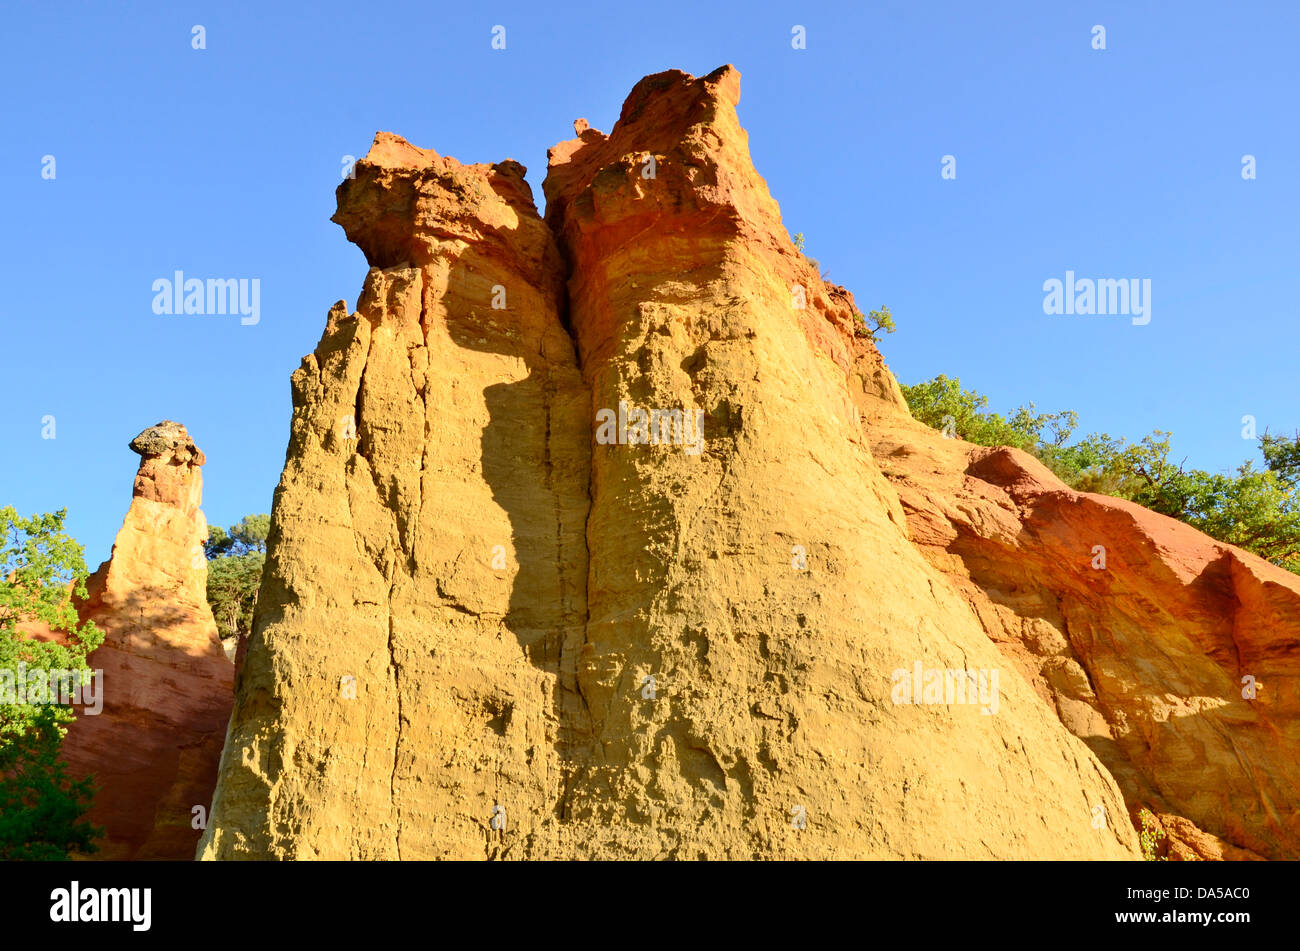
(518, 605)
(1173, 656)
(166, 687)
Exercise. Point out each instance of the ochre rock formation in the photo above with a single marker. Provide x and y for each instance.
(514, 608)
(426, 564)
(167, 686)
(1139, 630)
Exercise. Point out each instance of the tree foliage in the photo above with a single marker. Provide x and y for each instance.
(236, 557)
(247, 535)
(1256, 509)
(41, 570)
(873, 323)
(233, 581)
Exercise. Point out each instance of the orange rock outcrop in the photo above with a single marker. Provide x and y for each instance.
(167, 686)
(608, 536)
(1173, 656)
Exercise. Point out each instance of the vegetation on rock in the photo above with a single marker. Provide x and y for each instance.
(873, 323)
(1255, 509)
(1150, 835)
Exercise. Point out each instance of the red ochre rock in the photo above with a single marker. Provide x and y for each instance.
(167, 685)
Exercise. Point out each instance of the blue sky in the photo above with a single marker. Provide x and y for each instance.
(222, 162)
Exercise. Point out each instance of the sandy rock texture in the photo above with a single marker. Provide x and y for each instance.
(167, 686)
(609, 536)
(426, 565)
(1175, 657)
(489, 631)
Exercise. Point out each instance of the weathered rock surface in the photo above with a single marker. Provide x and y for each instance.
(774, 680)
(426, 564)
(167, 686)
(1138, 629)
(487, 630)
(514, 607)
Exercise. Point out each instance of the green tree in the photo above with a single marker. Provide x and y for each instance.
(236, 557)
(1282, 456)
(943, 404)
(233, 581)
(1255, 509)
(873, 323)
(41, 570)
(247, 535)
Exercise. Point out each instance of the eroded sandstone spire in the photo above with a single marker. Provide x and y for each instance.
(513, 607)
(167, 686)
(768, 585)
(487, 628)
(411, 665)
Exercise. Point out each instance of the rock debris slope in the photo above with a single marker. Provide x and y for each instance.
(516, 606)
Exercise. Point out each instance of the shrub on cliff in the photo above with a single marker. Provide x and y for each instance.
(41, 569)
(868, 325)
(1254, 509)
(943, 404)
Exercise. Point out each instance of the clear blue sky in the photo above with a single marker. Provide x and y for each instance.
(223, 163)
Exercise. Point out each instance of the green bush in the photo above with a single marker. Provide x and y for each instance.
(1255, 509)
